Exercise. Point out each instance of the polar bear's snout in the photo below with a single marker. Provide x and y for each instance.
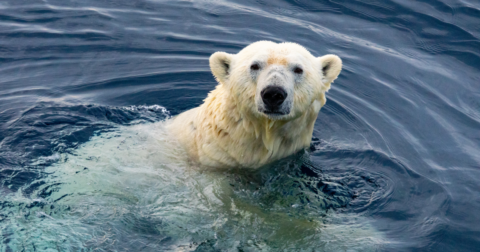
(273, 97)
(274, 91)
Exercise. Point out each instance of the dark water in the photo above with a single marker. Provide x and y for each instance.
(395, 163)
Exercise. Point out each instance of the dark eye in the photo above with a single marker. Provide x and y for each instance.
(255, 66)
(298, 70)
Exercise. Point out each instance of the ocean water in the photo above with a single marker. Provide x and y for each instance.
(86, 165)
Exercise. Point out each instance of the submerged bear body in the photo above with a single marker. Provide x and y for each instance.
(263, 109)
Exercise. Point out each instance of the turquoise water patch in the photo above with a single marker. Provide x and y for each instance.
(133, 188)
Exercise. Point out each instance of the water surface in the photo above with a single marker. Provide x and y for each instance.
(85, 163)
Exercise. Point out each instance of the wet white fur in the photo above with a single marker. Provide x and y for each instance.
(230, 130)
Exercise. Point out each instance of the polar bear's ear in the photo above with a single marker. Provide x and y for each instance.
(331, 67)
(220, 64)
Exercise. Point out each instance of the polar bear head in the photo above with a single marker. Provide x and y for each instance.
(275, 81)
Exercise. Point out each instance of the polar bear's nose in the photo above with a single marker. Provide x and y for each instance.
(273, 97)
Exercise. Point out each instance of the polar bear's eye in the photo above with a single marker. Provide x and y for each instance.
(255, 66)
(298, 70)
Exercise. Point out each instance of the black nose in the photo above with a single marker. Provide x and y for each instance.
(273, 97)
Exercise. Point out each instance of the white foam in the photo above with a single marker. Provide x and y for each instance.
(156, 108)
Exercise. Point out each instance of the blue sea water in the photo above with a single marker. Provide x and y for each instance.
(85, 163)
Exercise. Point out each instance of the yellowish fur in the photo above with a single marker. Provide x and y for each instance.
(227, 130)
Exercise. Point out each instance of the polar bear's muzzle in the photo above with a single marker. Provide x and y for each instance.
(273, 97)
(274, 92)
(274, 101)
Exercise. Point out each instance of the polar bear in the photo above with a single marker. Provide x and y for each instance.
(263, 109)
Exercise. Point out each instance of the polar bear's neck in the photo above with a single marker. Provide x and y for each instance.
(225, 136)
